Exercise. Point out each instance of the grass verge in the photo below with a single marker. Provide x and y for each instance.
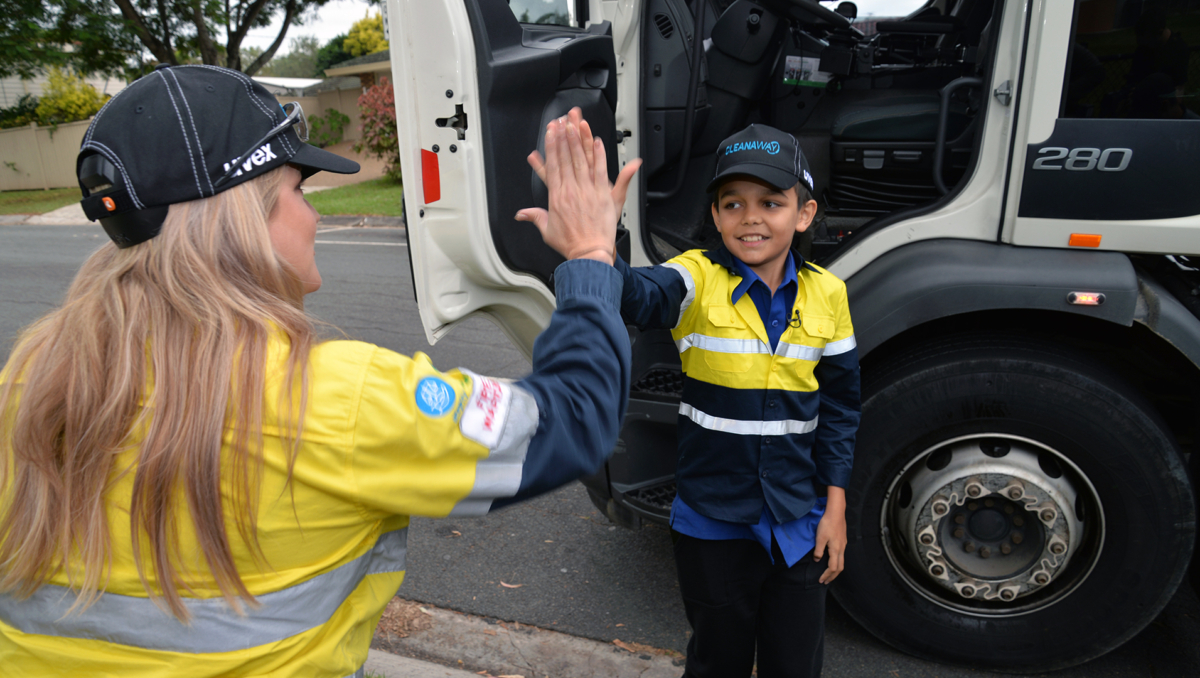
(377, 197)
(36, 202)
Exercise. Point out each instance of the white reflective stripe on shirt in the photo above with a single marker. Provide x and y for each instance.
(841, 346)
(777, 427)
(722, 345)
(214, 627)
(798, 351)
(691, 289)
(502, 418)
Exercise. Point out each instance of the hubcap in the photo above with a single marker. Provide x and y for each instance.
(993, 524)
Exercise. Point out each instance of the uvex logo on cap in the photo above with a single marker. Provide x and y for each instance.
(258, 157)
(771, 147)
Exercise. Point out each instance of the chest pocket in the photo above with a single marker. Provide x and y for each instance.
(728, 343)
(821, 326)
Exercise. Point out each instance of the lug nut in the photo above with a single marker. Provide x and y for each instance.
(1041, 578)
(989, 503)
(1009, 509)
(937, 570)
(1058, 549)
(1017, 537)
(1008, 594)
(1005, 548)
(1018, 521)
(985, 552)
(972, 506)
(960, 519)
(968, 591)
(1015, 493)
(939, 508)
(969, 547)
(1047, 516)
(959, 533)
(974, 491)
(926, 539)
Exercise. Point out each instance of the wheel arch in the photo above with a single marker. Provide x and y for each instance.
(929, 290)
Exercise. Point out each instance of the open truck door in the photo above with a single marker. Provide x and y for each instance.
(466, 123)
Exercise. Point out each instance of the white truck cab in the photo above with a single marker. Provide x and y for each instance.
(1007, 188)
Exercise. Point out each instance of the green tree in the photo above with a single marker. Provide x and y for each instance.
(36, 33)
(115, 35)
(366, 36)
(299, 62)
(334, 52)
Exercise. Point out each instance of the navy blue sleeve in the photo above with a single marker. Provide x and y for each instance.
(652, 296)
(841, 409)
(580, 380)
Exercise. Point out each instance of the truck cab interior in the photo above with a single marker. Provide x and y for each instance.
(886, 111)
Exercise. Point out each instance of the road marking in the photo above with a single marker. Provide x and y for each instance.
(362, 242)
(335, 228)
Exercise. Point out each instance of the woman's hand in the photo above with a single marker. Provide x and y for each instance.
(564, 138)
(831, 535)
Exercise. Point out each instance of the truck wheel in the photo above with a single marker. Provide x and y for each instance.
(1012, 507)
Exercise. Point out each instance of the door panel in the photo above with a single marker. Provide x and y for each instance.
(1107, 158)
(474, 90)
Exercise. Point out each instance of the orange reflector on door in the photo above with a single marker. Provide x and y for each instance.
(1084, 240)
(431, 176)
(1085, 298)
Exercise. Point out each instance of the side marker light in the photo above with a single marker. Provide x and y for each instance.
(1085, 298)
(1084, 240)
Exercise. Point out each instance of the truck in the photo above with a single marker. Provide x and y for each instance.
(1007, 189)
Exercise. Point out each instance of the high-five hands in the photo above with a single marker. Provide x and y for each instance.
(584, 207)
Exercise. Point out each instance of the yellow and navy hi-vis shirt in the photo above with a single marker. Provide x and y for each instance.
(385, 437)
(756, 425)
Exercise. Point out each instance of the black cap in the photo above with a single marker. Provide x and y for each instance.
(173, 136)
(764, 153)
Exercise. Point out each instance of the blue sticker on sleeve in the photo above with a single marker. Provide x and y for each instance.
(435, 397)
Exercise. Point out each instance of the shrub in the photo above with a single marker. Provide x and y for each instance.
(19, 114)
(378, 108)
(327, 130)
(67, 98)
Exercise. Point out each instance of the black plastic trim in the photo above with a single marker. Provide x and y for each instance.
(935, 279)
(1165, 316)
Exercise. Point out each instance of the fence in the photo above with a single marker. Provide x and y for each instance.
(40, 157)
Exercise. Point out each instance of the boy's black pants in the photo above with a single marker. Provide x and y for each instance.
(737, 600)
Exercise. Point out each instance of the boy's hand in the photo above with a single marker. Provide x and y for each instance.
(831, 534)
(538, 216)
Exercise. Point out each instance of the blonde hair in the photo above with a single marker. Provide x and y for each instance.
(166, 341)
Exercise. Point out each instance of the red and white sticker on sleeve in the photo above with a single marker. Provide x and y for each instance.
(486, 411)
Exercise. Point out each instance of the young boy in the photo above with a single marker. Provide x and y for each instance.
(768, 416)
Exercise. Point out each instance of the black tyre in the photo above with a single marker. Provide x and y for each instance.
(1013, 507)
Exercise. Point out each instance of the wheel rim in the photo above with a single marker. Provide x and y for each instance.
(992, 525)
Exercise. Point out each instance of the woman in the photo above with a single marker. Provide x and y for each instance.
(192, 483)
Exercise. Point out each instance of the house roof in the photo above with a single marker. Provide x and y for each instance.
(368, 63)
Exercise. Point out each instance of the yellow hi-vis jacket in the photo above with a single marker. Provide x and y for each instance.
(386, 437)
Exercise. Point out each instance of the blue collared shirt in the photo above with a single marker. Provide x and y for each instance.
(797, 537)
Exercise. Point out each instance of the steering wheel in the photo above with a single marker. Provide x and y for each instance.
(808, 11)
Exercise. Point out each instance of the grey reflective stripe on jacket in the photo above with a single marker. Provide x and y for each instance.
(502, 417)
(138, 622)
